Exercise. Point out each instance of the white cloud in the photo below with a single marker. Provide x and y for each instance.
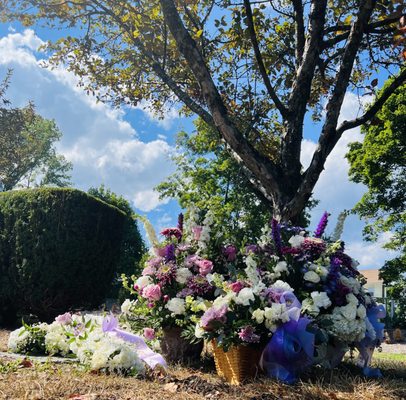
(165, 120)
(102, 145)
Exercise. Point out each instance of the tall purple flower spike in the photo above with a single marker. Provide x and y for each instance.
(110, 324)
(318, 233)
(276, 235)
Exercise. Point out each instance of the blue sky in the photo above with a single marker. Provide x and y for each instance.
(129, 150)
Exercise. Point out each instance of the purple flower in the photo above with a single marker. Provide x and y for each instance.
(318, 233)
(276, 236)
(252, 248)
(166, 273)
(230, 252)
(205, 266)
(246, 334)
(214, 318)
(199, 285)
(170, 252)
(180, 222)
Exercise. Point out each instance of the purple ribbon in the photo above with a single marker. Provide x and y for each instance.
(290, 350)
(110, 324)
(374, 314)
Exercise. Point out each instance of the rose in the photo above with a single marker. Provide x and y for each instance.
(152, 292)
(149, 333)
(205, 266)
(236, 287)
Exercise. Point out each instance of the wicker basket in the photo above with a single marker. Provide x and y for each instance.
(238, 364)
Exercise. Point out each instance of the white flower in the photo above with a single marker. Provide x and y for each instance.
(245, 296)
(126, 306)
(281, 266)
(182, 275)
(277, 312)
(321, 299)
(296, 241)
(322, 271)
(18, 339)
(309, 307)
(199, 331)
(351, 283)
(351, 299)
(143, 281)
(250, 261)
(311, 276)
(224, 300)
(258, 315)
(281, 285)
(176, 306)
(361, 312)
(349, 311)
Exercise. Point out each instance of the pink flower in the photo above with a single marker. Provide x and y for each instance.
(191, 260)
(197, 231)
(64, 319)
(205, 266)
(160, 251)
(152, 292)
(236, 286)
(168, 232)
(149, 333)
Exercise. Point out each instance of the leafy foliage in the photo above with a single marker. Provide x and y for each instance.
(27, 152)
(132, 245)
(58, 251)
(251, 71)
(380, 164)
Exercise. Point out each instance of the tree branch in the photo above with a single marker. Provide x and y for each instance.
(375, 107)
(329, 135)
(300, 30)
(264, 169)
(254, 40)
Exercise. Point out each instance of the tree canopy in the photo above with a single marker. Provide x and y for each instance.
(27, 148)
(380, 164)
(252, 69)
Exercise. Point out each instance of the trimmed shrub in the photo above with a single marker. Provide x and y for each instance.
(58, 251)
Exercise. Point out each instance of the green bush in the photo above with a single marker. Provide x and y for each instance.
(58, 251)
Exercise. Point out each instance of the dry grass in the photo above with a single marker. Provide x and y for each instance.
(67, 382)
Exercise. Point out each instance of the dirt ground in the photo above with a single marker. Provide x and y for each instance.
(48, 381)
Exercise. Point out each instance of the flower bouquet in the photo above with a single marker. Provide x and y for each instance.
(174, 286)
(298, 296)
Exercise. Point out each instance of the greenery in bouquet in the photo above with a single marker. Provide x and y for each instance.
(176, 282)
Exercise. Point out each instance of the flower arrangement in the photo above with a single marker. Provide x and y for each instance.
(96, 342)
(298, 295)
(176, 280)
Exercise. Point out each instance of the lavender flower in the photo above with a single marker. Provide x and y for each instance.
(247, 335)
(276, 235)
(170, 252)
(213, 318)
(318, 233)
(180, 223)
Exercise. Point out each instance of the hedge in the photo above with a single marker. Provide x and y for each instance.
(58, 251)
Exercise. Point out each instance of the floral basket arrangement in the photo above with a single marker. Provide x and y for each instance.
(298, 297)
(173, 288)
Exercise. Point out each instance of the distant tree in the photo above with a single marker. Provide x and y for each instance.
(379, 162)
(254, 70)
(132, 246)
(27, 148)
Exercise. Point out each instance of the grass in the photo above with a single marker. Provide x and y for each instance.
(390, 357)
(50, 381)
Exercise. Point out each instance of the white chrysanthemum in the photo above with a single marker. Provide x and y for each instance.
(321, 299)
(245, 296)
(311, 276)
(182, 275)
(296, 241)
(176, 306)
(258, 315)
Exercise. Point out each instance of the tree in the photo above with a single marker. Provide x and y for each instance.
(380, 164)
(132, 245)
(27, 152)
(249, 70)
(208, 178)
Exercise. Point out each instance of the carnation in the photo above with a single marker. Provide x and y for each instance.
(176, 306)
(182, 275)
